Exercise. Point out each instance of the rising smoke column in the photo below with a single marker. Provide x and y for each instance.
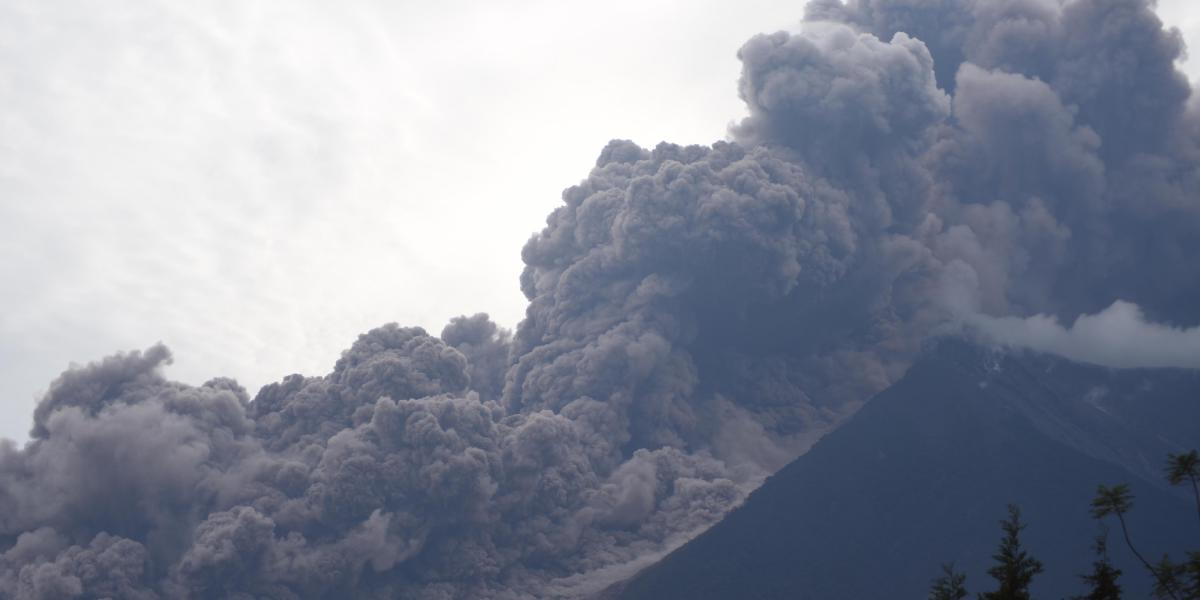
(1068, 172)
(696, 316)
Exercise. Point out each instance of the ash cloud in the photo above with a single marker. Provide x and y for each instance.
(698, 316)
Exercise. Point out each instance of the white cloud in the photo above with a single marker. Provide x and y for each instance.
(1118, 336)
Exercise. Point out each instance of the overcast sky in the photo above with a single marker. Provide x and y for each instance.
(254, 183)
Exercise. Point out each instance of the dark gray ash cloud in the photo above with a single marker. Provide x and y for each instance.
(697, 317)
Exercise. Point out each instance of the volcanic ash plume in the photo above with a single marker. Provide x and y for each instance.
(697, 317)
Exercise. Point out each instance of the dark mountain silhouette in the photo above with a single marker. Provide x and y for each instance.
(922, 474)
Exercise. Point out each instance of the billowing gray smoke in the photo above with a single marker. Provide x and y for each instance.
(697, 315)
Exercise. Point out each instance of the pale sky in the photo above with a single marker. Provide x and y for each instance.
(255, 182)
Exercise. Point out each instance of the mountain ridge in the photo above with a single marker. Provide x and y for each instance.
(922, 473)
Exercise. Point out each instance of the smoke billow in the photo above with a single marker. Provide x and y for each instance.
(1119, 336)
(697, 317)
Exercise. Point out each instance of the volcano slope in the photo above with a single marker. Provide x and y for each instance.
(923, 472)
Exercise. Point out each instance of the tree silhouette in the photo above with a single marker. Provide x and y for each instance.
(1179, 578)
(1014, 568)
(950, 586)
(1103, 578)
(1184, 577)
(1185, 467)
(1118, 500)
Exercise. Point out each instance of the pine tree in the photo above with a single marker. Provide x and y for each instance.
(1183, 577)
(1014, 568)
(1185, 467)
(1181, 580)
(1188, 575)
(1103, 579)
(950, 586)
(1118, 500)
